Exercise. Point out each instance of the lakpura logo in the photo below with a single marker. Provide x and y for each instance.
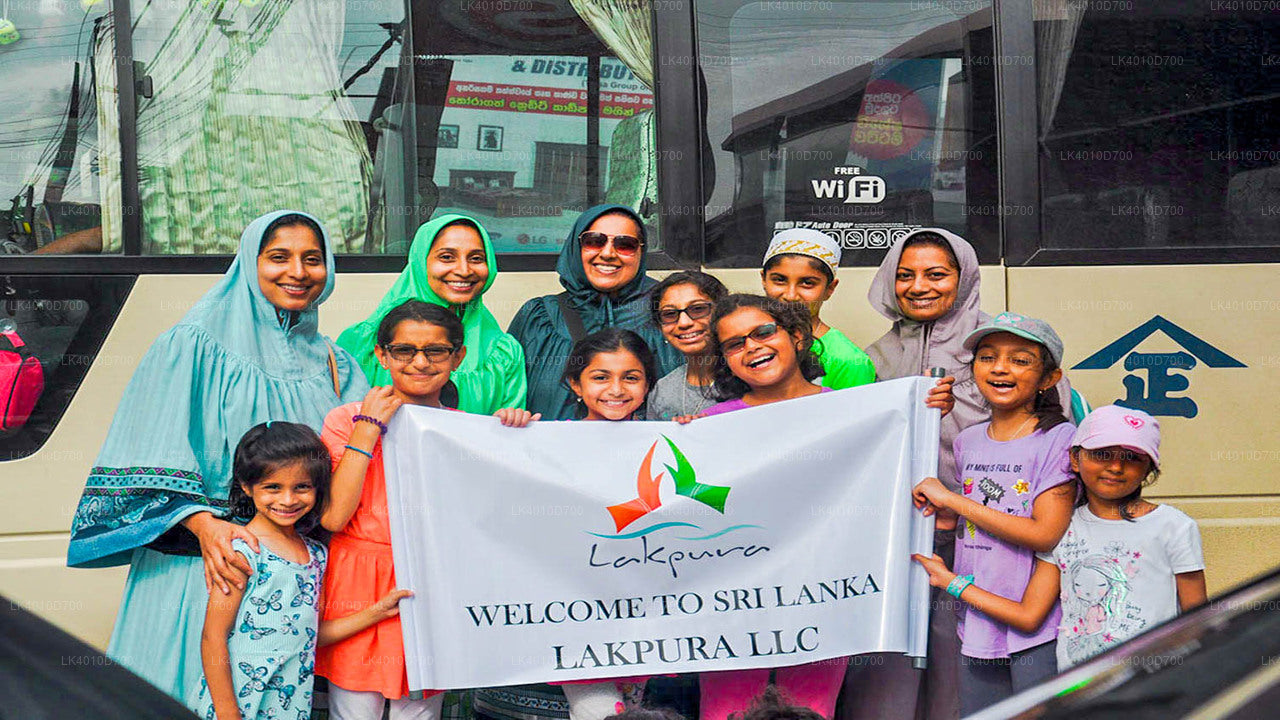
(649, 498)
(647, 488)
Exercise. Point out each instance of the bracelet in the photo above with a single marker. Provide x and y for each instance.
(365, 453)
(958, 584)
(372, 420)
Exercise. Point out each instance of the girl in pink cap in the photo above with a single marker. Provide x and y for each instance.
(1125, 563)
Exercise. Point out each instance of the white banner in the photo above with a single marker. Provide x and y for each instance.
(768, 537)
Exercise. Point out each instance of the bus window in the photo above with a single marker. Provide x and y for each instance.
(53, 184)
(259, 106)
(1158, 124)
(528, 113)
(61, 322)
(861, 119)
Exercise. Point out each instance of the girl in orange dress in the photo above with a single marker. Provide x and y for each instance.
(419, 344)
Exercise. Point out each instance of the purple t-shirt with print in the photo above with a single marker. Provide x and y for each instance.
(1006, 476)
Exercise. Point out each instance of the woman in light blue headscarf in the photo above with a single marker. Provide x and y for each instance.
(248, 352)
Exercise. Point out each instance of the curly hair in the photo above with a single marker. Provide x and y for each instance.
(793, 318)
(708, 285)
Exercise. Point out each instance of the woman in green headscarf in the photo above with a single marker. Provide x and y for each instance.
(452, 264)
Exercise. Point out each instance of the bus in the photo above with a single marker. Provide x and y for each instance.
(1114, 162)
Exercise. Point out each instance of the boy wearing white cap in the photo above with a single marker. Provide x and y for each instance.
(1124, 565)
(800, 266)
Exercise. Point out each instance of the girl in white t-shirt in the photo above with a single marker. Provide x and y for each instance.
(1124, 565)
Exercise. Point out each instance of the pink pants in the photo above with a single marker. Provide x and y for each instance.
(815, 686)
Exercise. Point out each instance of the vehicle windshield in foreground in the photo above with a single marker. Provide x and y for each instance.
(1221, 660)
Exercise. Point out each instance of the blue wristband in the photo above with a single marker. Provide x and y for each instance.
(958, 584)
(365, 453)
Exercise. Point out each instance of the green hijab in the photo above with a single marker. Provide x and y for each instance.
(492, 373)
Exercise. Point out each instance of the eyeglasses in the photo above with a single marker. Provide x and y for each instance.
(735, 345)
(695, 311)
(407, 353)
(622, 244)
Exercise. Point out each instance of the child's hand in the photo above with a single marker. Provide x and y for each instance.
(931, 496)
(381, 404)
(686, 419)
(388, 606)
(940, 395)
(947, 520)
(515, 417)
(940, 576)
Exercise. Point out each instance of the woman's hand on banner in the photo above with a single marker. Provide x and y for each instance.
(516, 417)
(940, 395)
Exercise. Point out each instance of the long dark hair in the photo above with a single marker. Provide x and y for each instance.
(792, 318)
(1048, 406)
(708, 285)
(419, 311)
(291, 220)
(606, 341)
(272, 445)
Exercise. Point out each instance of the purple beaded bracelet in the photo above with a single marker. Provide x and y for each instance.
(381, 425)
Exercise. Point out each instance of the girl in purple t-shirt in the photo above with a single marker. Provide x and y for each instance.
(1016, 498)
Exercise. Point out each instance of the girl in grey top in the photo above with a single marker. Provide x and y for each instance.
(681, 307)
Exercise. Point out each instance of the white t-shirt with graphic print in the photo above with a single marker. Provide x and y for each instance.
(1118, 577)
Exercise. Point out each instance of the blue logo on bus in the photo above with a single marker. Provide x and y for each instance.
(1151, 394)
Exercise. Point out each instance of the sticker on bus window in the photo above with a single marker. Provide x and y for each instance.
(853, 236)
(848, 184)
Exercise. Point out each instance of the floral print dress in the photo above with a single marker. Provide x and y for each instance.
(273, 641)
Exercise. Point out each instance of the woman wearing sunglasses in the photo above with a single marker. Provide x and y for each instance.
(452, 264)
(681, 306)
(602, 269)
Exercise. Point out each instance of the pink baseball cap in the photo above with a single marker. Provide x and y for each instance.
(1113, 425)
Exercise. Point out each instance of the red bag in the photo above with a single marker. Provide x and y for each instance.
(21, 381)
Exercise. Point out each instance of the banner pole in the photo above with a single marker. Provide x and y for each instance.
(922, 541)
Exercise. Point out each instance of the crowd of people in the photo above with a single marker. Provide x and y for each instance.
(242, 477)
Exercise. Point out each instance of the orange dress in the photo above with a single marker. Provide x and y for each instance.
(360, 572)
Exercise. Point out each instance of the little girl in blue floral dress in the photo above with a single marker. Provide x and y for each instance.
(259, 644)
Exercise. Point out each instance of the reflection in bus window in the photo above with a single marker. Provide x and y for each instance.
(1158, 125)
(861, 119)
(533, 112)
(62, 322)
(52, 184)
(250, 110)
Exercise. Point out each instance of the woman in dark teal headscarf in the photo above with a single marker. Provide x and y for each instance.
(492, 373)
(604, 287)
(248, 352)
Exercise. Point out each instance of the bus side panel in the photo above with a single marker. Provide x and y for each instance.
(1199, 348)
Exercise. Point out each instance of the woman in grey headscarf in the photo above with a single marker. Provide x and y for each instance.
(927, 285)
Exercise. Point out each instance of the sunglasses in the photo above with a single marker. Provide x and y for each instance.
(695, 311)
(622, 244)
(433, 353)
(734, 345)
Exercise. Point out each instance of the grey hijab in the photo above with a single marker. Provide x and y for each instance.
(912, 348)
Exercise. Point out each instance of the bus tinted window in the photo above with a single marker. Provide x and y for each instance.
(53, 184)
(531, 112)
(257, 106)
(60, 323)
(1158, 124)
(862, 119)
